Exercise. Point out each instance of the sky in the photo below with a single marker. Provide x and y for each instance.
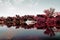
(26, 7)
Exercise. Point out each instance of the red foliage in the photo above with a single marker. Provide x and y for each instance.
(40, 22)
(47, 12)
(51, 22)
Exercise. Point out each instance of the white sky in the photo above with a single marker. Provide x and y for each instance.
(26, 7)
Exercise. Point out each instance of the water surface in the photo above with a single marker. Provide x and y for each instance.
(24, 34)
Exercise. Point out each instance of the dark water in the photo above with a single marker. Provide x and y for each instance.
(25, 34)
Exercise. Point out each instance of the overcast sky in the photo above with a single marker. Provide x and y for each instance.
(26, 7)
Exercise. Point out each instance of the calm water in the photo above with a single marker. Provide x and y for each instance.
(24, 34)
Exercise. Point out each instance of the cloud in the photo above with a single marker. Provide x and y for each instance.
(6, 9)
(13, 7)
(24, 7)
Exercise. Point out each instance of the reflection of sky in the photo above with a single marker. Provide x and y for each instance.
(8, 33)
(12, 32)
(24, 7)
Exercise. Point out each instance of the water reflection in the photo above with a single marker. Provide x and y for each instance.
(47, 23)
(24, 34)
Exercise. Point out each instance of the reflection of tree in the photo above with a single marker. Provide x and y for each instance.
(48, 22)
